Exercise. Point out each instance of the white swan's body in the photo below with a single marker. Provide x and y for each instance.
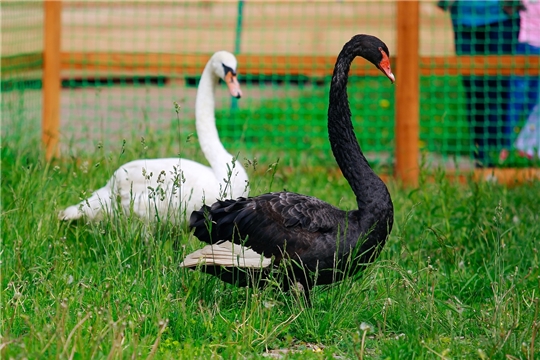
(170, 189)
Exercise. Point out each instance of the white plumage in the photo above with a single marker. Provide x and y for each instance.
(226, 254)
(172, 188)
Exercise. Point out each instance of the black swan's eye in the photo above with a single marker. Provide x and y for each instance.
(228, 70)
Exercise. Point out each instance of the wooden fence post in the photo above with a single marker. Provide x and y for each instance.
(407, 92)
(50, 122)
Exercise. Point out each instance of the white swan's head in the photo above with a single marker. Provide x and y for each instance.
(224, 65)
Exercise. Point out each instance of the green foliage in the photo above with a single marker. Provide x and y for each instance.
(458, 277)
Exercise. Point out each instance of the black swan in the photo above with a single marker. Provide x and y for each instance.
(321, 242)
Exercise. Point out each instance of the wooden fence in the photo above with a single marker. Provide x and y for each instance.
(408, 66)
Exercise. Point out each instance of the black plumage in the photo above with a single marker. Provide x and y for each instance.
(322, 242)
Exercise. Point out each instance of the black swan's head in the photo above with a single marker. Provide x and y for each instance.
(374, 50)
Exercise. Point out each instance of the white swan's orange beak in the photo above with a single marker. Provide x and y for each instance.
(234, 86)
(384, 66)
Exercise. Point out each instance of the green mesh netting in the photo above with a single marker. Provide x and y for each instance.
(21, 26)
(106, 98)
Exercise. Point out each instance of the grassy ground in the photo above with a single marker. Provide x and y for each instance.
(458, 278)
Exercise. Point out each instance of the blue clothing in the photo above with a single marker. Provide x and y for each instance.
(476, 12)
(487, 96)
(523, 94)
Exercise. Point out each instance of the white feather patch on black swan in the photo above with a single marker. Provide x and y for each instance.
(226, 254)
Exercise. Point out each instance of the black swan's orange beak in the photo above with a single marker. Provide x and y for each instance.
(234, 86)
(384, 66)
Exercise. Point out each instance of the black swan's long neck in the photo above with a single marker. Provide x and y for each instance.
(369, 189)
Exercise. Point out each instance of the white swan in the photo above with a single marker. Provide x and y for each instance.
(179, 185)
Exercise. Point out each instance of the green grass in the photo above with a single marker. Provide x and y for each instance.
(289, 121)
(458, 278)
(443, 129)
(297, 121)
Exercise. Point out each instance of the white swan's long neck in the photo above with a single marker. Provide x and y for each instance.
(206, 122)
(220, 160)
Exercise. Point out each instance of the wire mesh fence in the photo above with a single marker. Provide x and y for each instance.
(124, 64)
(21, 50)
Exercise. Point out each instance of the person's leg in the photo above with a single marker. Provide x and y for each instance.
(518, 94)
(497, 98)
(502, 40)
(532, 82)
(471, 41)
(479, 119)
(528, 141)
(523, 92)
(516, 108)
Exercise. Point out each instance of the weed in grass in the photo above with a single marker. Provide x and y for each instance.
(458, 278)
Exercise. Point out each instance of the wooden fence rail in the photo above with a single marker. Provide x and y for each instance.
(312, 66)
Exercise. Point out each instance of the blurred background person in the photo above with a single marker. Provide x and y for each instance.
(524, 95)
(483, 28)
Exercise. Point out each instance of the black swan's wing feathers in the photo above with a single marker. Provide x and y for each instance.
(269, 224)
(310, 213)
